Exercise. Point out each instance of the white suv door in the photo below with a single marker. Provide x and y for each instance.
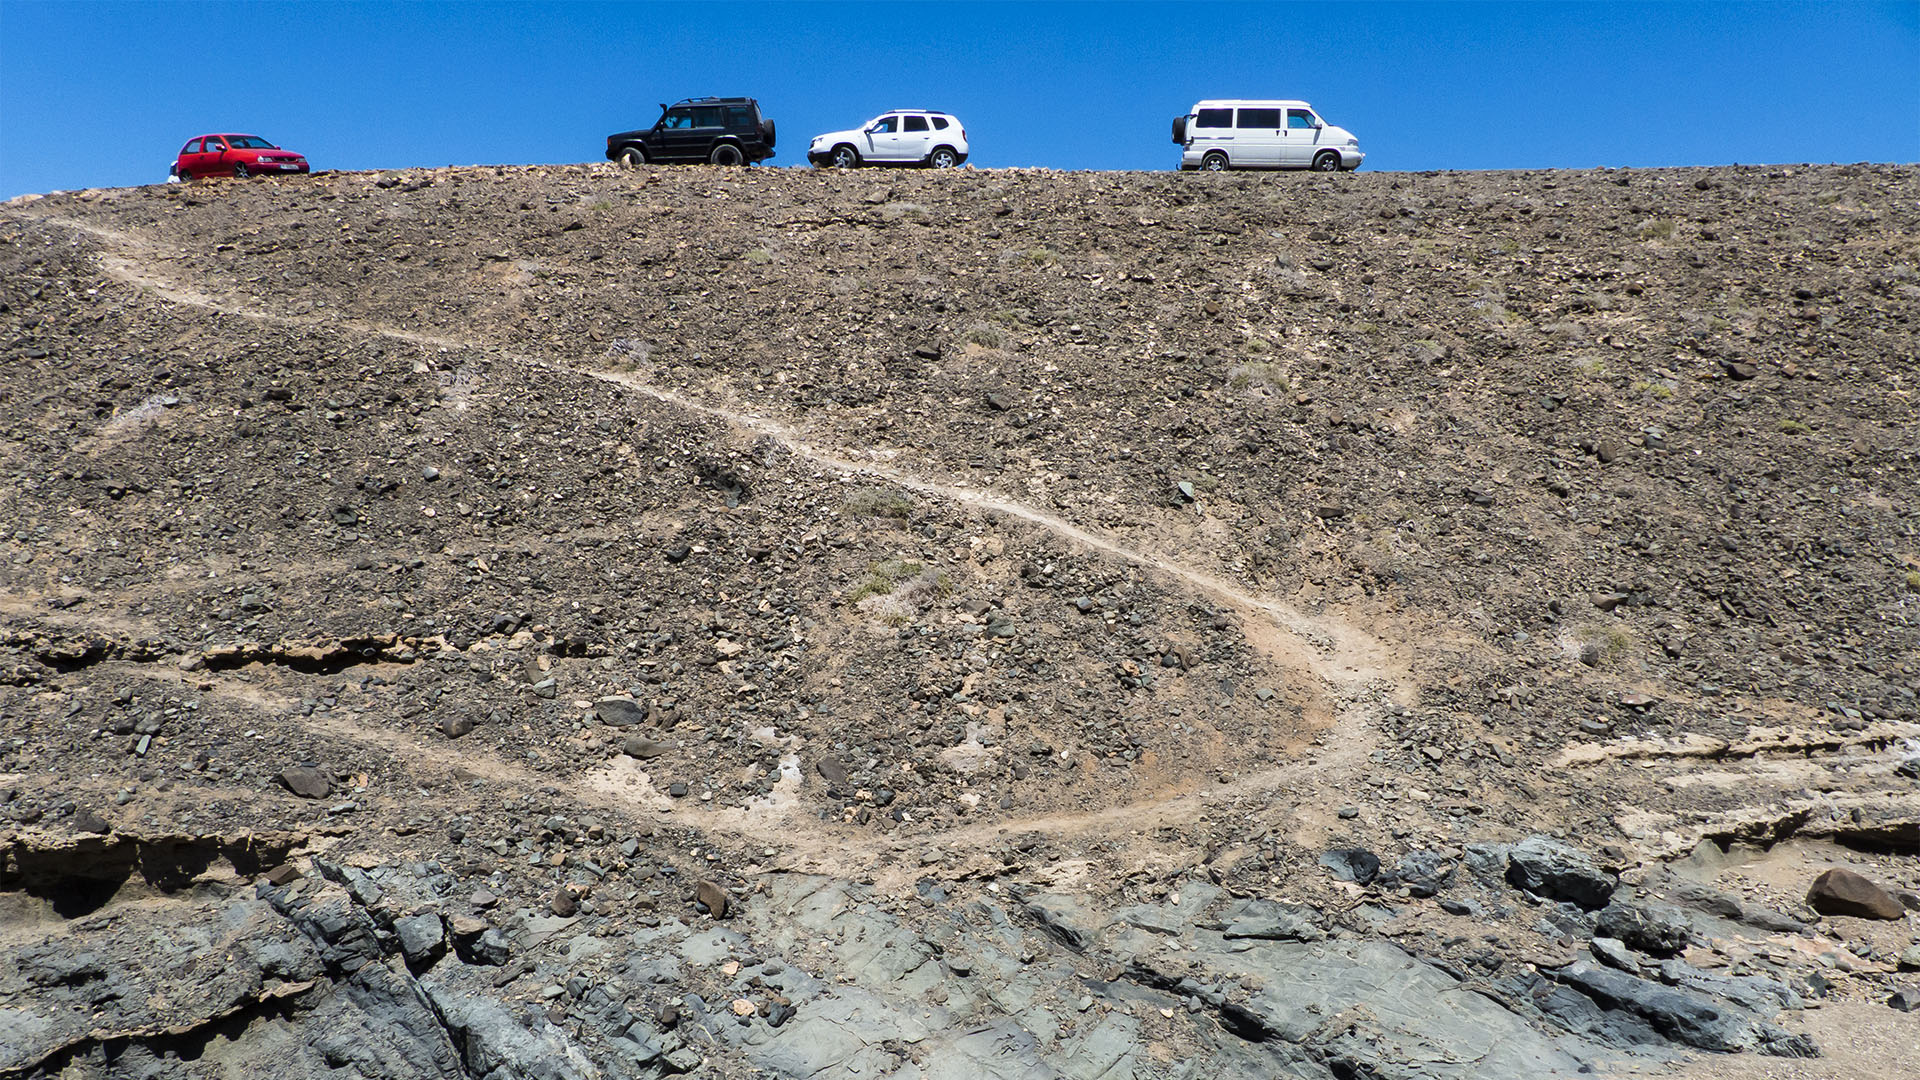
(916, 138)
(1212, 129)
(1302, 138)
(1258, 138)
(883, 139)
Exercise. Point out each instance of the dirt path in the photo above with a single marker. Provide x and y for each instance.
(1359, 671)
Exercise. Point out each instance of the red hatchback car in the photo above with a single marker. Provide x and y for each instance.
(234, 155)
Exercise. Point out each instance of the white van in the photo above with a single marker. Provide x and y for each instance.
(1234, 134)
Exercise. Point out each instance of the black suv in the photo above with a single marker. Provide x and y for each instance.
(722, 131)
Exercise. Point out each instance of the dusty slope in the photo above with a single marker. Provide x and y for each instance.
(1076, 535)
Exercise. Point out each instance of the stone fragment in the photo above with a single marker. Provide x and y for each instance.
(619, 711)
(1554, 871)
(1357, 865)
(455, 726)
(712, 897)
(1843, 892)
(306, 782)
(1648, 929)
(422, 938)
(1906, 999)
(639, 746)
(832, 770)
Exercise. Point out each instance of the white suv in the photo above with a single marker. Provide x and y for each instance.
(1237, 134)
(900, 137)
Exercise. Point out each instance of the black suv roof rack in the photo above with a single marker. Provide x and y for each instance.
(704, 100)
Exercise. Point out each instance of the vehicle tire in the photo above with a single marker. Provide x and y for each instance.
(240, 172)
(1180, 130)
(767, 133)
(1326, 161)
(845, 157)
(633, 157)
(1216, 161)
(943, 157)
(726, 154)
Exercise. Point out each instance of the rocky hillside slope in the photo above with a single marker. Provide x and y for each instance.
(575, 622)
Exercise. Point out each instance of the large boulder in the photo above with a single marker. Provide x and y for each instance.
(1843, 892)
(1553, 871)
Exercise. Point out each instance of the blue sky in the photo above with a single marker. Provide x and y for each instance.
(97, 94)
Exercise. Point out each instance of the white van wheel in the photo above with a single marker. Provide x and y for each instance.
(1215, 162)
(1326, 161)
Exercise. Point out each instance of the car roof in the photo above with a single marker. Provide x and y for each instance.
(225, 135)
(1214, 103)
(924, 112)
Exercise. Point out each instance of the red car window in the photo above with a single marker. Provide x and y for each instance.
(192, 147)
(215, 146)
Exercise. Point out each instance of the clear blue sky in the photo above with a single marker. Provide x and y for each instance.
(95, 94)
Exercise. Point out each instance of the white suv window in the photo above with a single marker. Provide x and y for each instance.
(886, 125)
(939, 123)
(916, 123)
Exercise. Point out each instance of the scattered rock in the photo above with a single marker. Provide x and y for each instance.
(1842, 892)
(306, 781)
(1554, 871)
(711, 897)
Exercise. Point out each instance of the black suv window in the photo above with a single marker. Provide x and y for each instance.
(679, 118)
(1260, 118)
(916, 123)
(1214, 118)
(706, 117)
(739, 116)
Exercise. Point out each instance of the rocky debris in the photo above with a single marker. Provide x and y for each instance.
(1839, 891)
(712, 898)
(306, 781)
(1645, 928)
(1073, 577)
(1554, 871)
(1357, 865)
(619, 711)
(1682, 1015)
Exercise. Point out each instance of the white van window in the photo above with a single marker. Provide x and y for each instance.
(1214, 118)
(1299, 118)
(1260, 118)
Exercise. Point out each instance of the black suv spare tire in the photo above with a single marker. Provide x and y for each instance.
(766, 132)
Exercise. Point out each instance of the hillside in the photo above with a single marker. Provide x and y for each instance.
(575, 622)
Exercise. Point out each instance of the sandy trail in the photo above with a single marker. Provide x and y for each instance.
(1360, 672)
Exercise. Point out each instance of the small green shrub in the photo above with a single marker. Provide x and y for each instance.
(1257, 374)
(1657, 229)
(757, 257)
(1793, 427)
(985, 335)
(1604, 646)
(878, 502)
(883, 577)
